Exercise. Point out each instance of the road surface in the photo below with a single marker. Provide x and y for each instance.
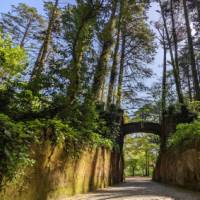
(139, 189)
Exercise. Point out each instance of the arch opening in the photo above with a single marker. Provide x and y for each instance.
(140, 154)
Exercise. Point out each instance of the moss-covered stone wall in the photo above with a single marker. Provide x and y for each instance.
(180, 166)
(57, 174)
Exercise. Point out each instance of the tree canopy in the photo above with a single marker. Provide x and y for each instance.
(75, 68)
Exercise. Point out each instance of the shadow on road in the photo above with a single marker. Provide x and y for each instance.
(140, 189)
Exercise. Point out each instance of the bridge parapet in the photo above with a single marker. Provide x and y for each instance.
(141, 127)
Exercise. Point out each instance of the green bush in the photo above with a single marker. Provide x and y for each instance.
(194, 106)
(12, 59)
(16, 139)
(14, 143)
(185, 133)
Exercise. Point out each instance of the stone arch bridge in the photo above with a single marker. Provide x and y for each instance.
(141, 127)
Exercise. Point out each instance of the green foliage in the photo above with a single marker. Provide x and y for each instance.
(140, 154)
(17, 138)
(185, 134)
(17, 99)
(14, 143)
(194, 106)
(24, 25)
(149, 112)
(62, 108)
(99, 141)
(12, 58)
(25, 101)
(78, 23)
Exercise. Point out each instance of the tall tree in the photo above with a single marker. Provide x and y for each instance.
(191, 52)
(39, 64)
(164, 77)
(108, 41)
(121, 71)
(83, 19)
(184, 61)
(137, 50)
(113, 74)
(163, 43)
(175, 72)
(23, 23)
(174, 34)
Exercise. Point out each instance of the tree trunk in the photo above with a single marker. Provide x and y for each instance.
(101, 69)
(39, 64)
(176, 75)
(188, 82)
(121, 71)
(26, 33)
(133, 171)
(146, 163)
(175, 41)
(113, 75)
(77, 56)
(164, 81)
(197, 4)
(191, 51)
(102, 93)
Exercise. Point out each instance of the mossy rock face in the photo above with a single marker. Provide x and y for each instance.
(179, 167)
(56, 174)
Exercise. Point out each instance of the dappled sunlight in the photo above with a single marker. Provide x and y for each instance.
(95, 91)
(139, 188)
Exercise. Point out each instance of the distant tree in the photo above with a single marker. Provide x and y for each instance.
(23, 24)
(140, 151)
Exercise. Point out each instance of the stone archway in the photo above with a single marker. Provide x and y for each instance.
(141, 127)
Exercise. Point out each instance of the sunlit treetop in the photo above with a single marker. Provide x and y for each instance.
(12, 58)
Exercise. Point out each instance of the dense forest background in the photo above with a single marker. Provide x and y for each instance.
(67, 74)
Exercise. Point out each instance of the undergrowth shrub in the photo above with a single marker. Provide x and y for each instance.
(185, 134)
(16, 139)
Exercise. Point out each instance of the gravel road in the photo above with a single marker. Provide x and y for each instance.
(139, 189)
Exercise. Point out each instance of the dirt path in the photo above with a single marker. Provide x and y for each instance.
(139, 189)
